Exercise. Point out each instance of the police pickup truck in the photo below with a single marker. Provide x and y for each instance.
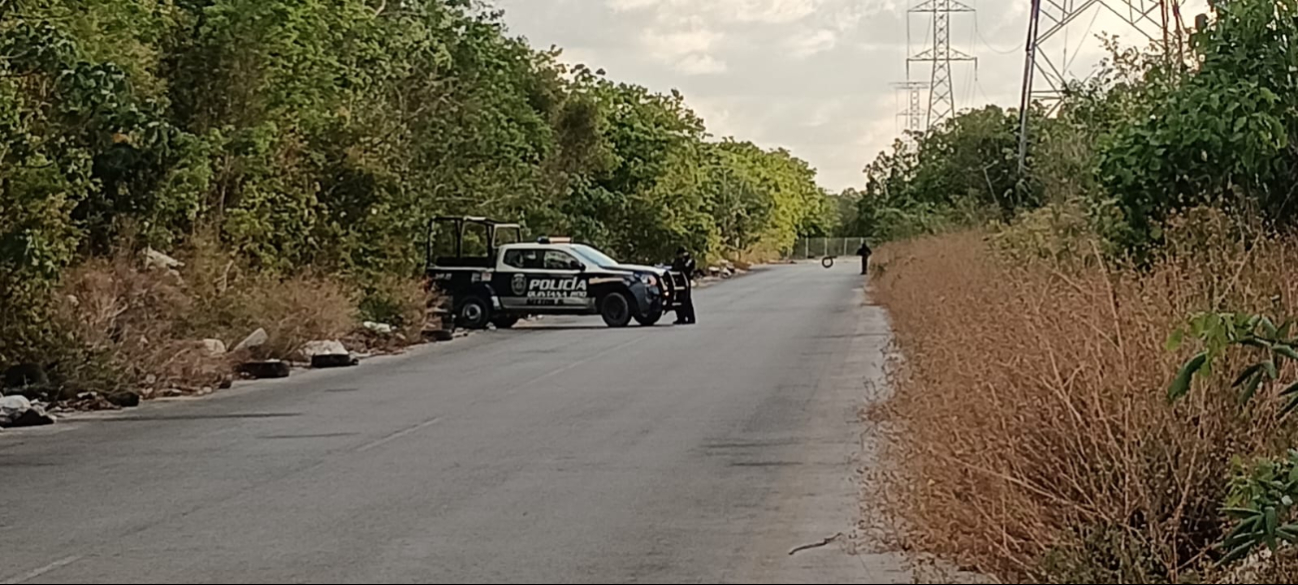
(547, 277)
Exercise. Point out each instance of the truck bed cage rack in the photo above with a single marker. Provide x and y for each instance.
(460, 222)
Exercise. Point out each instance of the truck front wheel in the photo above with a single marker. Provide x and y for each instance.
(650, 317)
(473, 313)
(616, 309)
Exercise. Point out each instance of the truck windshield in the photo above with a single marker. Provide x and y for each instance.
(593, 255)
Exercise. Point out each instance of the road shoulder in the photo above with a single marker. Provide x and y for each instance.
(815, 535)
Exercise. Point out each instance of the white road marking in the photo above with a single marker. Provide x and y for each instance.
(397, 435)
(34, 573)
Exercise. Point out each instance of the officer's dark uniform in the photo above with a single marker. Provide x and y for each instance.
(864, 253)
(685, 264)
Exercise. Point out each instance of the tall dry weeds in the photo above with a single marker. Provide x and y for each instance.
(140, 328)
(230, 302)
(128, 324)
(1029, 432)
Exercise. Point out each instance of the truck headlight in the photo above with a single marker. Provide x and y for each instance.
(649, 279)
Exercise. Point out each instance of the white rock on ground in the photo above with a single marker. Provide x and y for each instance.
(329, 347)
(12, 405)
(382, 328)
(156, 259)
(257, 338)
(214, 347)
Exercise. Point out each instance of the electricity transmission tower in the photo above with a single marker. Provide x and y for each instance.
(1155, 20)
(1158, 21)
(940, 55)
(915, 111)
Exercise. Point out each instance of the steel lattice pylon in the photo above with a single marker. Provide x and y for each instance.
(941, 97)
(1156, 20)
(916, 110)
(1152, 19)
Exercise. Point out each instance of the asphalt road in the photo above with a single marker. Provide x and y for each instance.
(566, 452)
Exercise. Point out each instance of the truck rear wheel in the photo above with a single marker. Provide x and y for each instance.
(473, 313)
(616, 310)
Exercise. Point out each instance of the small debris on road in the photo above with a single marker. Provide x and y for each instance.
(124, 399)
(440, 335)
(333, 360)
(825, 542)
(33, 417)
(18, 411)
(266, 369)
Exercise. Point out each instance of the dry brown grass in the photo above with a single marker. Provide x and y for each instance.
(230, 303)
(398, 301)
(130, 325)
(293, 310)
(1029, 432)
(140, 328)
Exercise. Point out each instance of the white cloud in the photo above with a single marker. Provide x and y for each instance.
(737, 11)
(810, 75)
(688, 50)
(826, 112)
(673, 44)
(804, 46)
(623, 5)
(774, 11)
(700, 65)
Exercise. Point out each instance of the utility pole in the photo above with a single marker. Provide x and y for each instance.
(1029, 67)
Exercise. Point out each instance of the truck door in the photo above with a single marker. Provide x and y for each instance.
(540, 279)
(510, 280)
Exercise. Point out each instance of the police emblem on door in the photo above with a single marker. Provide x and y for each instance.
(519, 285)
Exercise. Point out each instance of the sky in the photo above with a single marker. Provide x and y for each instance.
(812, 76)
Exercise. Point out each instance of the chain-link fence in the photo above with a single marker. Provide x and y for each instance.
(811, 248)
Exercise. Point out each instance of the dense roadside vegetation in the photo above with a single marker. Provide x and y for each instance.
(1098, 371)
(291, 151)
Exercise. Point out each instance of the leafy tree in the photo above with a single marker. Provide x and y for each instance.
(324, 133)
(1223, 135)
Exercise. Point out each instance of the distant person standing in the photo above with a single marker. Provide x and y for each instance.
(864, 252)
(685, 264)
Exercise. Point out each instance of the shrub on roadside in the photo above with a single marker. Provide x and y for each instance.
(293, 310)
(1061, 233)
(398, 301)
(126, 327)
(1030, 434)
(121, 323)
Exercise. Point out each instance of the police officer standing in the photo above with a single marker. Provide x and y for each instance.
(684, 264)
(864, 253)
